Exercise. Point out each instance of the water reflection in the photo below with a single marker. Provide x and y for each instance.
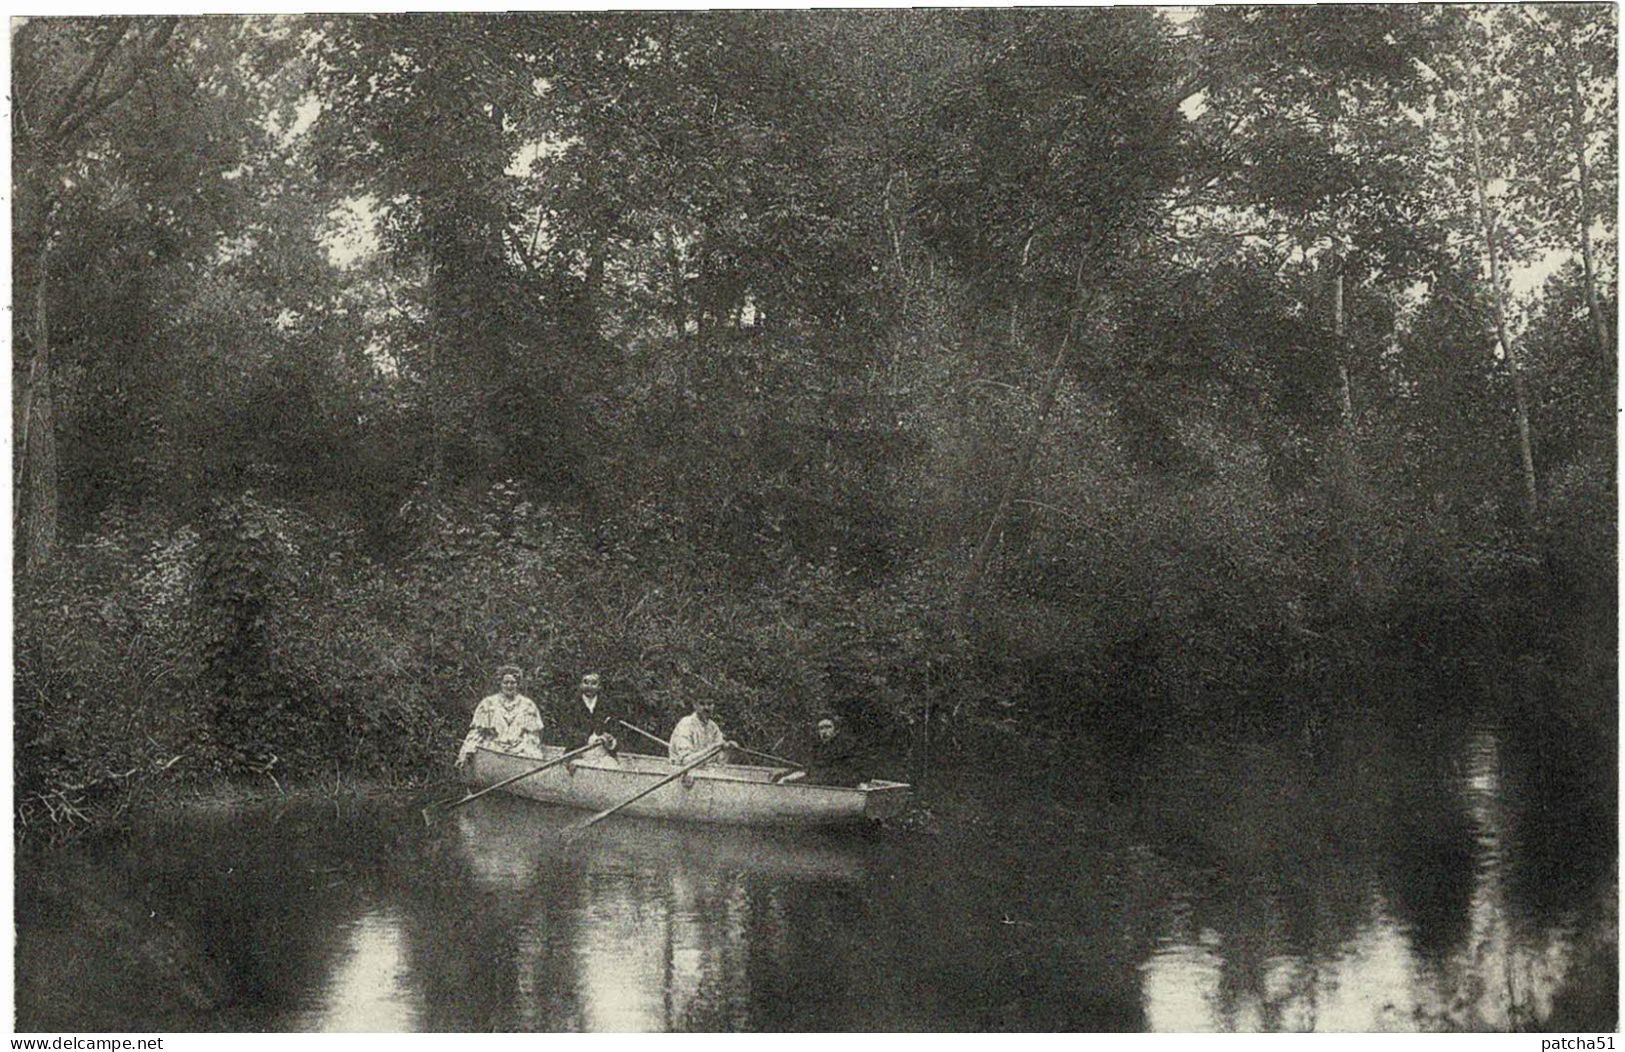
(371, 989)
(639, 926)
(1399, 876)
(1379, 956)
(1181, 987)
(622, 954)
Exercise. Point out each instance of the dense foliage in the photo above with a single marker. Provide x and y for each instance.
(964, 373)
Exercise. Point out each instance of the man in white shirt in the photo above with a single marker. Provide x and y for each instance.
(697, 732)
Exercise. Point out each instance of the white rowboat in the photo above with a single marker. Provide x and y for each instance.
(725, 793)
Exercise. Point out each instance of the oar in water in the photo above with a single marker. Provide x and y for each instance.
(450, 805)
(641, 793)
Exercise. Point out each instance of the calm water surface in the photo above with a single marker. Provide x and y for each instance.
(1383, 874)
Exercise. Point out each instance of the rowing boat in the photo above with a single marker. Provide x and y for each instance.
(728, 793)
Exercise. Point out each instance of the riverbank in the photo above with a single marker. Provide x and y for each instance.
(1027, 741)
(264, 645)
(156, 800)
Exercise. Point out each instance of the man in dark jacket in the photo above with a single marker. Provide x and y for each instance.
(586, 718)
(830, 756)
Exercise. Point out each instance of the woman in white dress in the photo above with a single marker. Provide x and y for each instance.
(506, 720)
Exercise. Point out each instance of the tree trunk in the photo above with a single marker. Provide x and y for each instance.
(1348, 465)
(1348, 452)
(1486, 221)
(674, 268)
(595, 291)
(1577, 136)
(37, 472)
(437, 407)
(1018, 478)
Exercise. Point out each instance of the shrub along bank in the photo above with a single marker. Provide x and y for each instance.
(265, 645)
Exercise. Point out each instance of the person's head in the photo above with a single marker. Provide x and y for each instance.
(704, 708)
(826, 729)
(508, 677)
(589, 684)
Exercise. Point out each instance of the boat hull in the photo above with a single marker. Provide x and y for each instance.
(722, 793)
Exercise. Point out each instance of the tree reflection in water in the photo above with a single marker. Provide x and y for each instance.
(657, 937)
(1433, 873)
(1396, 942)
(372, 989)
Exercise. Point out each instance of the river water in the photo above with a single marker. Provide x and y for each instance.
(1381, 874)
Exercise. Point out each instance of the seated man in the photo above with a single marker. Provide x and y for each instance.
(830, 757)
(586, 718)
(696, 733)
(506, 720)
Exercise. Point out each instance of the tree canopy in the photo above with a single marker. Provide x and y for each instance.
(1128, 317)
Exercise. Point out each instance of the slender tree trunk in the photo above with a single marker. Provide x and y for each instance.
(1348, 467)
(1348, 451)
(1577, 136)
(437, 409)
(1486, 222)
(37, 438)
(894, 234)
(674, 268)
(595, 290)
(1340, 331)
(1017, 479)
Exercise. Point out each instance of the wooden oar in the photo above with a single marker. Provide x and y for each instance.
(770, 756)
(641, 793)
(572, 754)
(796, 771)
(663, 743)
(764, 755)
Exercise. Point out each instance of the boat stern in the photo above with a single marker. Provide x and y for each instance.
(882, 799)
